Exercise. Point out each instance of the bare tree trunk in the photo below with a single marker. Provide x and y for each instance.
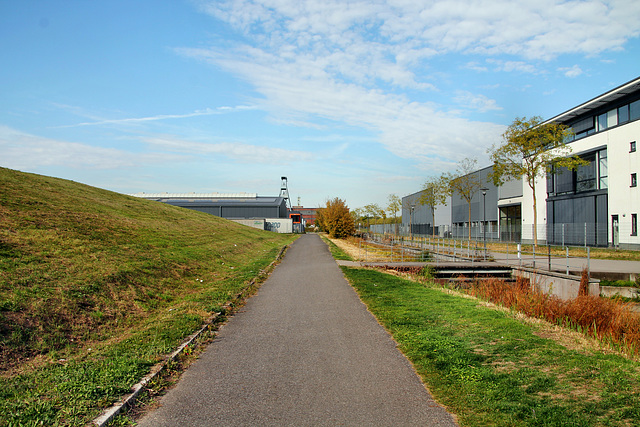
(469, 220)
(535, 217)
(433, 221)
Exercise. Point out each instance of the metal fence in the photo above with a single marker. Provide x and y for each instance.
(622, 235)
(418, 248)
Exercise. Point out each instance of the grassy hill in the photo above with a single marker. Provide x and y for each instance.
(96, 286)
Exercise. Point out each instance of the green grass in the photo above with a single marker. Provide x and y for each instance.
(489, 368)
(336, 252)
(619, 283)
(95, 287)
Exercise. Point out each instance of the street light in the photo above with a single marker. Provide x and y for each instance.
(411, 222)
(484, 220)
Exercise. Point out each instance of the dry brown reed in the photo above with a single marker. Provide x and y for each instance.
(609, 320)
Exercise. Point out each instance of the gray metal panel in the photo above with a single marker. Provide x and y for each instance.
(460, 207)
(262, 207)
(510, 189)
(250, 212)
(421, 213)
(602, 217)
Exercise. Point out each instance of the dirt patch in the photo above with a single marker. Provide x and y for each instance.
(351, 249)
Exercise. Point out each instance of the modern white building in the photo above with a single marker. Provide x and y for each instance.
(596, 205)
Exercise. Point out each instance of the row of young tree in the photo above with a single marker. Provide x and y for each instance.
(529, 150)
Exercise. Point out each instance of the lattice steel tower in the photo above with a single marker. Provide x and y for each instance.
(284, 192)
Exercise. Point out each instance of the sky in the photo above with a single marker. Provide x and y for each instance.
(351, 99)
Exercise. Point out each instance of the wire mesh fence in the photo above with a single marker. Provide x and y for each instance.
(619, 233)
(387, 248)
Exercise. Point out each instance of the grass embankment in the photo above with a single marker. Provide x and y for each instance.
(95, 287)
(495, 367)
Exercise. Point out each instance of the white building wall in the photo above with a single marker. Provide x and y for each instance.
(623, 200)
(541, 209)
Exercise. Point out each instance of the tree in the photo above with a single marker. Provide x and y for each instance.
(464, 183)
(336, 219)
(530, 148)
(358, 216)
(395, 205)
(374, 211)
(434, 193)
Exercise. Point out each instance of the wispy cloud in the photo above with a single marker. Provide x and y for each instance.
(513, 66)
(571, 72)
(476, 102)
(529, 28)
(302, 91)
(342, 60)
(246, 153)
(205, 112)
(29, 152)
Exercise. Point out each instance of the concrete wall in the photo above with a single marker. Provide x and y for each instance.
(623, 291)
(255, 223)
(564, 286)
(279, 225)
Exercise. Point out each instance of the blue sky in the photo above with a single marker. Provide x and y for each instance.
(350, 99)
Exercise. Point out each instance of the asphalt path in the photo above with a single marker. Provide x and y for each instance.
(304, 351)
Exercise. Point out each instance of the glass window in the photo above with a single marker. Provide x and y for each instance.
(634, 224)
(623, 114)
(602, 121)
(581, 135)
(564, 181)
(634, 180)
(603, 170)
(632, 146)
(634, 110)
(612, 118)
(586, 175)
(550, 189)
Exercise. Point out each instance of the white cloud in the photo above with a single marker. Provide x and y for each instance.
(343, 61)
(474, 65)
(574, 71)
(407, 129)
(24, 151)
(511, 66)
(130, 120)
(242, 152)
(476, 102)
(528, 28)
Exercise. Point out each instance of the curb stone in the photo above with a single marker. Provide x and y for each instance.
(127, 401)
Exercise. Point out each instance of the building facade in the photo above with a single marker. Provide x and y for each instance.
(598, 203)
(308, 214)
(418, 219)
(229, 206)
(595, 205)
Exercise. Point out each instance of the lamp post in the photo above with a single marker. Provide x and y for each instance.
(411, 222)
(484, 220)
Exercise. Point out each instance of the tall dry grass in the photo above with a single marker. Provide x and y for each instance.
(609, 320)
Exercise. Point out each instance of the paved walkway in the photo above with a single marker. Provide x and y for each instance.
(304, 351)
